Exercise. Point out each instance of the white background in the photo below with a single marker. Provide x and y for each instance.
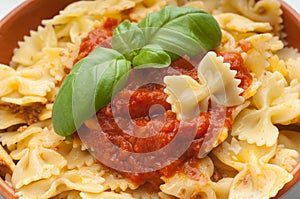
(7, 5)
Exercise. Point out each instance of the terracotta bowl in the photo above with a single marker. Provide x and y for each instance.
(28, 16)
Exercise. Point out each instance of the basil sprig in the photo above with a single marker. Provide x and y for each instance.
(153, 43)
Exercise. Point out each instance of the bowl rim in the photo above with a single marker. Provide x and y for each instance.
(291, 24)
(17, 13)
(18, 16)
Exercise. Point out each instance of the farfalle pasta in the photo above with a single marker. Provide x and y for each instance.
(238, 23)
(252, 163)
(181, 186)
(264, 10)
(274, 98)
(251, 155)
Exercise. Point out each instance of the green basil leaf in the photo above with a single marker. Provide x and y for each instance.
(62, 115)
(97, 56)
(182, 30)
(93, 88)
(87, 89)
(127, 39)
(151, 56)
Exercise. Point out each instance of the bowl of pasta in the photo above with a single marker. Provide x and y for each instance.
(149, 99)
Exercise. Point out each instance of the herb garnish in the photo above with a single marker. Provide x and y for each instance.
(153, 43)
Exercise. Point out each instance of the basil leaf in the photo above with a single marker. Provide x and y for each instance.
(93, 88)
(98, 55)
(151, 56)
(127, 39)
(182, 30)
(87, 89)
(62, 117)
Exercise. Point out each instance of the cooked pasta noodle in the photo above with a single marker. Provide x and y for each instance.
(253, 160)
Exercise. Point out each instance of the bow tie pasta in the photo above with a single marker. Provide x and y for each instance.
(251, 156)
(254, 170)
(274, 103)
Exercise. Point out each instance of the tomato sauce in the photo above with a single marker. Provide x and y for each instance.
(99, 37)
(139, 120)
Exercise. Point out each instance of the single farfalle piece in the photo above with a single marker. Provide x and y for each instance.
(21, 88)
(181, 185)
(188, 97)
(8, 119)
(257, 177)
(275, 102)
(36, 164)
(39, 134)
(263, 10)
(235, 22)
(184, 94)
(143, 8)
(264, 46)
(285, 158)
(220, 80)
(85, 179)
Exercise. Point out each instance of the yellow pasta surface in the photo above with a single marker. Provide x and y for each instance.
(255, 160)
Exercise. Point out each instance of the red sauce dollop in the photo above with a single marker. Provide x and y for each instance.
(141, 109)
(99, 37)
